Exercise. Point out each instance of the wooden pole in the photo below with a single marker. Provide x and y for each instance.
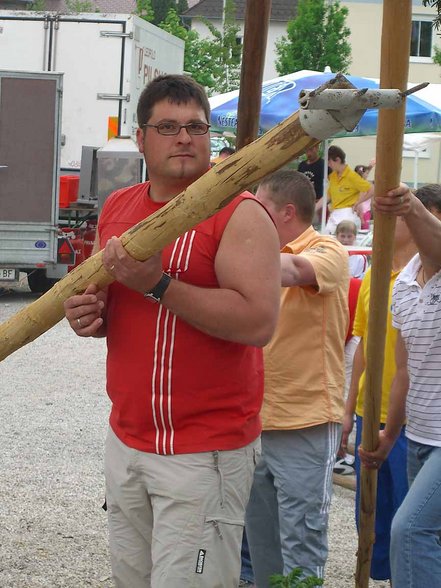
(257, 18)
(202, 199)
(347, 482)
(395, 50)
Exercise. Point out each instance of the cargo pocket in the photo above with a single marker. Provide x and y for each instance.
(219, 522)
(316, 522)
(218, 558)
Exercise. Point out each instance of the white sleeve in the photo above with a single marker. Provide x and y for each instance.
(396, 310)
(357, 265)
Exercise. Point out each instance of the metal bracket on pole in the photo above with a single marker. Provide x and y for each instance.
(325, 112)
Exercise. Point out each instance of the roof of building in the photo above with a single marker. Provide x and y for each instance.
(102, 6)
(18, 3)
(281, 10)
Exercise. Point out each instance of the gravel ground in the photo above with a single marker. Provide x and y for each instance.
(53, 411)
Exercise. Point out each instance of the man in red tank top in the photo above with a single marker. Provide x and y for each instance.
(184, 367)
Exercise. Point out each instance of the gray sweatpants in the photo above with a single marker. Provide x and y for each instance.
(176, 521)
(287, 515)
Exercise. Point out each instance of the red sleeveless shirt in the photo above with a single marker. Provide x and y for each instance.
(173, 388)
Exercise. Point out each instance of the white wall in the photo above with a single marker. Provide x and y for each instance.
(360, 150)
(365, 23)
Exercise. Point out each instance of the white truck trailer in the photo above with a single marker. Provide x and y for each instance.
(105, 61)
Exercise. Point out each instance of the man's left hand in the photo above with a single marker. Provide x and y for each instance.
(141, 276)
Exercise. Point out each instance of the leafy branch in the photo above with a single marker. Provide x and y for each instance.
(435, 4)
(294, 580)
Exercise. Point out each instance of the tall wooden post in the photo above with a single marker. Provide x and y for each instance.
(257, 18)
(395, 51)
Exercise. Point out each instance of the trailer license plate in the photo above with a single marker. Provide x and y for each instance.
(8, 275)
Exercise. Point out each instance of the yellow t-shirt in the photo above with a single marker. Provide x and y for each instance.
(360, 329)
(344, 190)
(304, 361)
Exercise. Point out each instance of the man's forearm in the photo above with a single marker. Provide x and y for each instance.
(396, 414)
(297, 271)
(365, 196)
(222, 313)
(357, 370)
(323, 201)
(426, 231)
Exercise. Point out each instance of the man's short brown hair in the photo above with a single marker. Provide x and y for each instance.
(178, 89)
(292, 187)
(430, 196)
(335, 153)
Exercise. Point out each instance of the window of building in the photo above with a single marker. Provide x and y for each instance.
(421, 40)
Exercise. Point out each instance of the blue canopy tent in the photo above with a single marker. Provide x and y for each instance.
(280, 98)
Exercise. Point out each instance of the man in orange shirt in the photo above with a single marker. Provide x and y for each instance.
(287, 515)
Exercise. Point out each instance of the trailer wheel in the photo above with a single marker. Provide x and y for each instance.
(39, 282)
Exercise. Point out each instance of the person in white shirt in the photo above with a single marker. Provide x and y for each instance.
(416, 394)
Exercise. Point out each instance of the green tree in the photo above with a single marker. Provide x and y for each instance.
(316, 37)
(199, 54)
(144, 10)
(77, 6)
(156, 11)
(227, 51)
(435, 4)
(181, 6)
(37, 5)
(212, 61)
(437, 24)
(161, 9)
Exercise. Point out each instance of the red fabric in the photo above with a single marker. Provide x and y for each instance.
(173, 388)
(354, 288)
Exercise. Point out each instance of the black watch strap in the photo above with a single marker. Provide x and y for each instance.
(158, 291)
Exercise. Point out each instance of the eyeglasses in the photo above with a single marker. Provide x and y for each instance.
(173, 128)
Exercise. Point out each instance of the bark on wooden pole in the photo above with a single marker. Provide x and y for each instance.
(395, 50)
(199, 201)
(257, 18)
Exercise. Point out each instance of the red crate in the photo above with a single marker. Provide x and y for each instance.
(68, 190)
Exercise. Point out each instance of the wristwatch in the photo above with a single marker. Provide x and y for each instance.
(158, 291)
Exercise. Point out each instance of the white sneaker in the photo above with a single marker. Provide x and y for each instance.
(345, 466)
